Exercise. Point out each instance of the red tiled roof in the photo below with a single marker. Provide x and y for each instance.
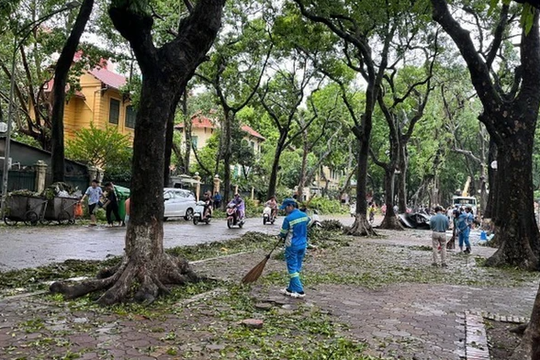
(109, 78)
(252, 132)
(49, 87)
(200, 121)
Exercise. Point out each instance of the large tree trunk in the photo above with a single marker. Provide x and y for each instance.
(529, 348)
(361, 225)
(227, 154)
(145, 268)
(303, 170)
(169, 135)
(390, 220)
(59, 90)
(187, 135)
(402, 180)
(490, 210)
(517, 231)
(272, 183)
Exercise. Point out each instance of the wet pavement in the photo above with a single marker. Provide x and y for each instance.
(424, 320)
(29, 246)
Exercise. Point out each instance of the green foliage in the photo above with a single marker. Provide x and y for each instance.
(104, 148)
(254, 209)
(327, 206)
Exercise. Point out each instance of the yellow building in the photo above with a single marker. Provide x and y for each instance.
(202, 129)
(100, 102)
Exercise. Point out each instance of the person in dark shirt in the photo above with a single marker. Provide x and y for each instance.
(111, 205)
(217, 200)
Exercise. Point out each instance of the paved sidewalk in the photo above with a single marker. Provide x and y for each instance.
(410, 320)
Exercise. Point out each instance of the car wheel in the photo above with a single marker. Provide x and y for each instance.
(189, 214)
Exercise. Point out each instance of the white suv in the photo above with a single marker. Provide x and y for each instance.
(178, 202)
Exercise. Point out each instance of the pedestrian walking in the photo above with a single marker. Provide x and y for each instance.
(439, 224)
(294, 232)
(111, 205)
(93, 193)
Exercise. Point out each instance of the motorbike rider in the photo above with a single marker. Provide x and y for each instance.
(273, 205)
(207, 198)
(239, 205)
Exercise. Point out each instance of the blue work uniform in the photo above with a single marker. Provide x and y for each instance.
(294, 231)
(464, 223)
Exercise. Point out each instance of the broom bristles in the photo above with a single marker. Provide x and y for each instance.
(255, 273)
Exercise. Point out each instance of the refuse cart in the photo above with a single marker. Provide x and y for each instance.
(122, 194)
(24, 208)
(61, 209)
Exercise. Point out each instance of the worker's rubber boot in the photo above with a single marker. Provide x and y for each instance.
(468, 250)
(461, 249)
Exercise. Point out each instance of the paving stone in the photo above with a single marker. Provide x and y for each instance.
(252, 323)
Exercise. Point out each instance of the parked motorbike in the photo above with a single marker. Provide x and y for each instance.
(268, 216)
(315, 222)
(233, 218)
(199, 215)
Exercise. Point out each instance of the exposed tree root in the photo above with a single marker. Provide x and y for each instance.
(526, 261)
(391, 223)
(152, 280)
(360, 227)
(524, 349)
(520, 329)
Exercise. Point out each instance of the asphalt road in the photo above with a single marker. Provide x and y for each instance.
(28, 246)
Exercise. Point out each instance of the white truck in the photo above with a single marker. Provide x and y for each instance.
(463, 201)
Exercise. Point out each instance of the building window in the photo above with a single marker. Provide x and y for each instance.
(252, 144)
(114, 111)
(130, 117)
(194, 140)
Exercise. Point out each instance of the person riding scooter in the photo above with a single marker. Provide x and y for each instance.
(207, 198)
(240, 206)
(273, 205)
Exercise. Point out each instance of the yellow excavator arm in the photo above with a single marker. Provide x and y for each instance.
(465, 191)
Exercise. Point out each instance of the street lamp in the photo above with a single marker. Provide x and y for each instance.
(26, 30)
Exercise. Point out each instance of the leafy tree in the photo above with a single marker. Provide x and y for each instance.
(146, 268)
(510, 114)
(281, 98)
(34, 103)
(357, 29)
(106, 149)
(61, 72)
(234, 71)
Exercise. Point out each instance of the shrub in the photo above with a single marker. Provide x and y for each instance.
(328, 206)
(253, 208)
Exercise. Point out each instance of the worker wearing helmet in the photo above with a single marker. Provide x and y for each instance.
(294, 232)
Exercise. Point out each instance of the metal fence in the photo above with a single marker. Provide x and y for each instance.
(78, 181)
(21, 179)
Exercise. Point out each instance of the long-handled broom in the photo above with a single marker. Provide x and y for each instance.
(255, 273)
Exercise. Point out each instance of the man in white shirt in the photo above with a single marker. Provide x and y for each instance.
(93, 193)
